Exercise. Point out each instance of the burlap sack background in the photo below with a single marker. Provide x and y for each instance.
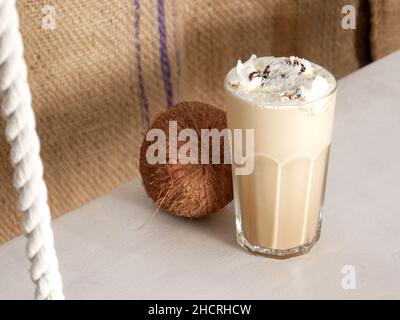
(96, 82)
(385, 27)
(110, 65)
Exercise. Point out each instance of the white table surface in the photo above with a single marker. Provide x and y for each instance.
(103, 257)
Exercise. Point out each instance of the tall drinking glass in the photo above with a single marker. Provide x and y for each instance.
(278, 205)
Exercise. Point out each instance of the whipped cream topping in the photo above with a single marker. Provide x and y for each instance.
(279, 81)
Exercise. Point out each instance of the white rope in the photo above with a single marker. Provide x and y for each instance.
(25, 156)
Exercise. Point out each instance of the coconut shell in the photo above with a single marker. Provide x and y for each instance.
(188, 190)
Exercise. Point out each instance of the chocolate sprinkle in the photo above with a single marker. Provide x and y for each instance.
(288, 95)
(266, 72)
(253, 74)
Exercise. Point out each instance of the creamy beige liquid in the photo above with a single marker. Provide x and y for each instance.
(278, 205)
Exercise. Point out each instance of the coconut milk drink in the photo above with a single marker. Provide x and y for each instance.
(289, 102)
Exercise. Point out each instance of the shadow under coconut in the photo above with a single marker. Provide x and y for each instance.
(220, 225)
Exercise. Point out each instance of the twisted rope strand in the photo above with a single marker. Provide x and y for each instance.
(21, 134)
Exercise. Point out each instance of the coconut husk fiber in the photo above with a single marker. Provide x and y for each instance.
(195, 189)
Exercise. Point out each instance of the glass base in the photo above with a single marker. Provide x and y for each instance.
(275, 253)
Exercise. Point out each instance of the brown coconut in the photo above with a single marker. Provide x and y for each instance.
(188, 190)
